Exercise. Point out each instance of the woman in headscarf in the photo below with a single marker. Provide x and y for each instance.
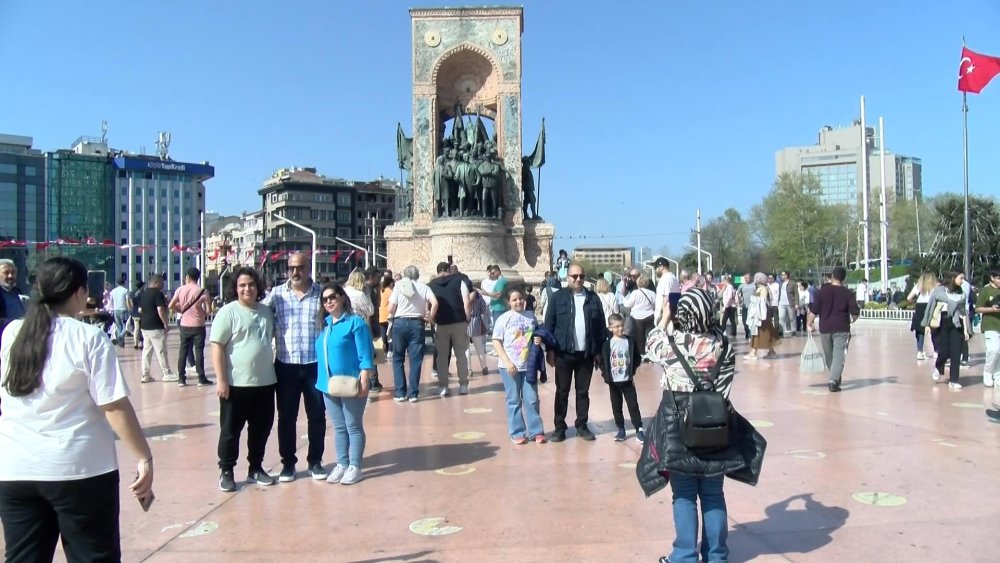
(763, 335)
(702, 345)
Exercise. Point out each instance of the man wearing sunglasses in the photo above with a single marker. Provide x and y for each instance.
(296, 305)
(575, 317)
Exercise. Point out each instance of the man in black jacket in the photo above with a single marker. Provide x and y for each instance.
(11, 305)
(452, 332)
(575, 317)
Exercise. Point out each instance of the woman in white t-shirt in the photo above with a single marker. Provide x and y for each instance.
(641, 303)
(64, 398)
(608, 300)
(921, 295)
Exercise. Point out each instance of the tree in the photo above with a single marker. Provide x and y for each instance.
(947, 250)
(727, 238)
(798, 231)
(903, 228)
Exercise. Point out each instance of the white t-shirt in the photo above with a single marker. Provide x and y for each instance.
(921, 297)
(514, 331)
(641, 303)
(415, 305)
(773, 290)
(488, 285)
(664, 287)
(579, 321)
(118, 298)
(59, 431)
(619, 360)
(861, 293)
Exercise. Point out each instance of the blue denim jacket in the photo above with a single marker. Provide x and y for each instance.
(536, 355)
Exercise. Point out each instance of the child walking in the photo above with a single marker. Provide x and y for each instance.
(621, 360)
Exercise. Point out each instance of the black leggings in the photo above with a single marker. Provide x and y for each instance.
(950, 340)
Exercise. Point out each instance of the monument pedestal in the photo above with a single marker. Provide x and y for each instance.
(522, 252)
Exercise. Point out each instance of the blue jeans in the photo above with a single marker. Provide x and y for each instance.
(121, 316)
(407, 337)
(687, 490)
(521, 397)
(346, 414)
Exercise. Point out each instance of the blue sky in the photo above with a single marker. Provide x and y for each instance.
(652, 109)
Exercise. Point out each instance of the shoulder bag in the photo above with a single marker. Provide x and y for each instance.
(705, 418)
(939, 308)
(343, 386)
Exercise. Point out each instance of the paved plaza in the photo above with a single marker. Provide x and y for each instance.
(894, 468)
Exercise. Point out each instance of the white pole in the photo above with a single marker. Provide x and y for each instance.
(312, 253)
(864, 190)
(883, 214)
(131, 235)
(916, 205)
(370, 258)
(201, 244)
(698, 237)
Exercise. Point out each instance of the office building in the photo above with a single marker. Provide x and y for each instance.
(324, 205)
(616, 256)
(160, 204)
(375, 209)
(835, 161)
(22, 202)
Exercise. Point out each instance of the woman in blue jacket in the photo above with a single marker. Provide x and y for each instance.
(344, 347)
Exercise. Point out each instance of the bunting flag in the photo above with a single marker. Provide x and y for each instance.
(215, 255)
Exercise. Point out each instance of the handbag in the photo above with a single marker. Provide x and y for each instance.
(705, 418)
(936, 315)
(343, 386)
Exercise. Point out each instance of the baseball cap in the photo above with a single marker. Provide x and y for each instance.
(661, 261)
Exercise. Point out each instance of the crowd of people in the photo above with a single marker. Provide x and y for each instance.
(319, 344)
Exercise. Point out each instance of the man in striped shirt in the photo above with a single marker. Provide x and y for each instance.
(296, 304)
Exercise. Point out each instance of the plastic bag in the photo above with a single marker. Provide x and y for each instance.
(812, 360)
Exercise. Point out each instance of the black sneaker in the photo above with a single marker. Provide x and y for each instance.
(993, 415)
(260, 477)
(204, 382)
(620, 436)
(585, 433)
(226, 482)
(558, 436)
(317, 471)
(287, 474)
(376, 386)
(834, 387)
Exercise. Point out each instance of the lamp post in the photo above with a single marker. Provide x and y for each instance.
(312, 254)
(700, 252)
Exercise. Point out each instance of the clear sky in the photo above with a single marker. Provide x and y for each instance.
(652, 109)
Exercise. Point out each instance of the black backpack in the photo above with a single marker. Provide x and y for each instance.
(705, 418)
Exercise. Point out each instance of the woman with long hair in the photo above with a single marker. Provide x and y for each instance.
(357, 292)
(641, 304)
(383, 312)
(343, 348)
(608, 300)
(954, 327)
(64, 399)
(921, 295)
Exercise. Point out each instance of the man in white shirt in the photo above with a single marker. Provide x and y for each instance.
(668, 289)
(118, 303)
(861, 293)
(411, 306)
(773, 291)
(729, 303)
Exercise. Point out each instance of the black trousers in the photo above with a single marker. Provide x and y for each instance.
(950, 340)
(729, 316)
(192, 341)
(743, 317)
(626, 390)
(83, 511)
(299, 381)
(252, 407)
(573, 369)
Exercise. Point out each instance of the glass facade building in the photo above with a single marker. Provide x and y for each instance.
(22, 201)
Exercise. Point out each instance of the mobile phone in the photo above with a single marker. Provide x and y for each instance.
(147, 501)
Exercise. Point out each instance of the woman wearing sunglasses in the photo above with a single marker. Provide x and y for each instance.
(344, 348)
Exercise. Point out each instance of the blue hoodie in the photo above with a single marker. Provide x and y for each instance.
(347, 349)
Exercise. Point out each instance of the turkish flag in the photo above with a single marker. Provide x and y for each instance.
(975, 71)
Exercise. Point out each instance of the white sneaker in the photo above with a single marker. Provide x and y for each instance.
(337, 474)
(988, 380)
(351, 476)
(434, 373)
(935, 375)
(921, 356)
(444, 391)
(170, 377)
(463, 389)
(954, 386)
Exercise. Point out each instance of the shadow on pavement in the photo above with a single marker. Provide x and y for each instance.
(426, 458)
(410, 558)
(787, 530)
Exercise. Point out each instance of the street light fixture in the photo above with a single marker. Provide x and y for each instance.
(312, 255)
(691, 246)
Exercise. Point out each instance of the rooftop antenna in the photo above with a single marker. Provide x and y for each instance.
(104, 131)
(163, 145)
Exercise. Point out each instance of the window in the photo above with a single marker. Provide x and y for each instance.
(344, 216)
(124, 225)
(31, 171)
(124, 259)
(8, 168)
(344, 199)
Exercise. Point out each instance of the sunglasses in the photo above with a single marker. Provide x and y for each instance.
(575, 276)
(330, 297)
(296, 267)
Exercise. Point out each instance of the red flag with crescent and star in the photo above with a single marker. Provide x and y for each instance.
(975, 71)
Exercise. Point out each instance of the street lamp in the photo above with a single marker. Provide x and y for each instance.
(699, 257)
(312, 257)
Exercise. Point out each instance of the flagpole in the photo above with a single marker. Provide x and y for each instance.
(538, 198)
(864, 192)
(967, 254)
(883, 211)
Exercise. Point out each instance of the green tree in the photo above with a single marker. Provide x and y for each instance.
(903, 228)
(797, 230)
(727, 238)
(947, 249)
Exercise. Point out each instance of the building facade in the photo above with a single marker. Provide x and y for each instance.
(835, 161)
(160, 206)
(325, 205)
(22, 201)
(375, 209)
(606, 255)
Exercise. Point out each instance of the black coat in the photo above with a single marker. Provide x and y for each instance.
(664, 452)
(559, 320)
(4, 320)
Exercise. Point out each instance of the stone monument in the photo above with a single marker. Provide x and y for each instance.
(465, 183)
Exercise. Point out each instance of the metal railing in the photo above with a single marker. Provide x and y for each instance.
(887, 314)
